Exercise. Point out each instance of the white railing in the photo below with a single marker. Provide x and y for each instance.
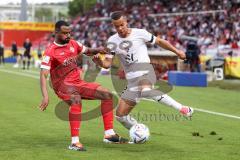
(186, 13)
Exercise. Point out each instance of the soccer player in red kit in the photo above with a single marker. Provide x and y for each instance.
(61, 61)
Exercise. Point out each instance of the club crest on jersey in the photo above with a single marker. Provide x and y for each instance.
(125, 45)
(72, 49)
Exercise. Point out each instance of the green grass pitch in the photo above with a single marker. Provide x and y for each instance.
(26, 133)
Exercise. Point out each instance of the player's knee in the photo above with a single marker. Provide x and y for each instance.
(119, 113)
(107, 95)
(104, 93)
(75, 99)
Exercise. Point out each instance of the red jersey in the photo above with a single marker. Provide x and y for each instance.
(61, 60)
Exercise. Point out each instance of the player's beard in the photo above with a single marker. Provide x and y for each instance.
(66, 40)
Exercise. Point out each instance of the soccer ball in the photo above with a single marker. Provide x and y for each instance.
(139, 133)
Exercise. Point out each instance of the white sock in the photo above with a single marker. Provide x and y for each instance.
(165, 99)
(127, 121)
(75, 139)
(109, 132)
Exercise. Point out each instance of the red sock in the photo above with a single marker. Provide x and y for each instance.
(75, 119)
(107, 113)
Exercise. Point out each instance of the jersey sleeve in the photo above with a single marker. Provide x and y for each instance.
(147, 37)
(46, 60)
(80, 47)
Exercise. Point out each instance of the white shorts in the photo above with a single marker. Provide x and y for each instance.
(133, 90)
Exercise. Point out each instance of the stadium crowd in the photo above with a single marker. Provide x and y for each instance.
(221, 28)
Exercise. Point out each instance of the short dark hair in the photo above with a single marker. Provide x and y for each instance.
(59, 24)
(116, 15)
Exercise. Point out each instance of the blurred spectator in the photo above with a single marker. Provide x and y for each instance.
(1, 53)
(211, 29)
(39, 50)
(16, 54)
(192, 53)
(14, 49)
(27, 53)
(37, 62)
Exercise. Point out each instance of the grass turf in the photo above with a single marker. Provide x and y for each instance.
(26, 133)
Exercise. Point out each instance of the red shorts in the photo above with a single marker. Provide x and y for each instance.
(86, 90)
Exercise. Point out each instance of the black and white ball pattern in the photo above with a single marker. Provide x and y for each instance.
(139, 133)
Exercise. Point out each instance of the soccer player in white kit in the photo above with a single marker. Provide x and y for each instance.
(129, 44)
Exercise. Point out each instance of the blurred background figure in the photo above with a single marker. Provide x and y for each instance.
(27, 53)
(37, 61)
(214, 24)
(14, 49)
(15, 54)
(1, 54)
(192, 53)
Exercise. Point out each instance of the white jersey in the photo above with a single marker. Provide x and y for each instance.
(132, 51)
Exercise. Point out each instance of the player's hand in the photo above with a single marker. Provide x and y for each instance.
(181, 55)
(97, 59)
(44, 103)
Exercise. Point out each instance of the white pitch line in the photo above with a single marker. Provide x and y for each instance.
(200, 110)
(30, 71)
(19, 73)
(196, 109)
(216, 113)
